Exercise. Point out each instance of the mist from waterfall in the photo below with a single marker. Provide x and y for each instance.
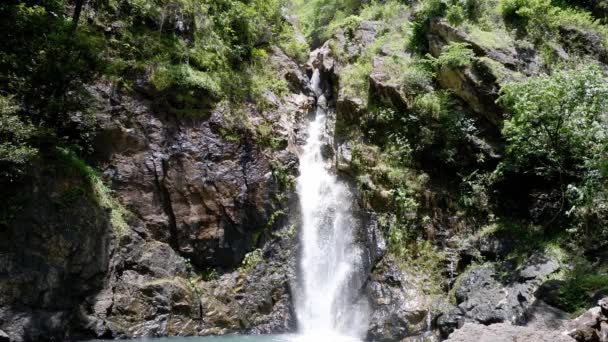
(327, 302)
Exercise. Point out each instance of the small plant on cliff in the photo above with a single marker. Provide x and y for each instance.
(455, 55)
(251, 260)
(99, 191)
(281, 175)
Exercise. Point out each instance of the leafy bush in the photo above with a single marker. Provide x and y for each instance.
(455, 55)
(45, 65)
(557, 131)
(318, 15)
(15, 147)
(251, 260)
(579, 286)
(541, 19)
(455, 15)
(420, 27)
(99, 191)
(354, 79)
(557, 120)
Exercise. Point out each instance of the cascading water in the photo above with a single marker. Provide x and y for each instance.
(326, 304)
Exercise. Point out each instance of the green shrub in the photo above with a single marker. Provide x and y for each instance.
(420, 27)
(557, 132)
(251, 260)
(455, 55)
(556, 119)
(15, 135)
(579, 285)
(317, 16)
(455, 15)
(354, 79)
(541, 19)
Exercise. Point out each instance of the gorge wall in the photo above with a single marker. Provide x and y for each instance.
(176, 224)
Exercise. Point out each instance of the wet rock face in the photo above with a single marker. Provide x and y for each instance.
(479, 83)
(256, 299)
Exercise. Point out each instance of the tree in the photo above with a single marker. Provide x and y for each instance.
(77, 10)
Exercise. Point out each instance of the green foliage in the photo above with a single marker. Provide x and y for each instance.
(15, 135)
(282, 176)
(317, 16)
(420, 27)
(267, 137)
(581, 282)
(209, 274)
(557, 131)
(541, 19)
(354, 79)
(251, 260)
(45, 64)
(557, 121)
(99, 192)
(455, 55)
(455, 15)
(419, 257)
(293, 45)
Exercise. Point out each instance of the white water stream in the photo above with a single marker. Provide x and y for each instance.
(325, 304)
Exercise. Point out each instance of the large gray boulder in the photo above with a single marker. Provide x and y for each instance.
(484, 297)
(504, 332)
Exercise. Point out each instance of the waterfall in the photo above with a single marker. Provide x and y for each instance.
(328, 301)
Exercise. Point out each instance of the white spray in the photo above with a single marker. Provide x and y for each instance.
(325, 304)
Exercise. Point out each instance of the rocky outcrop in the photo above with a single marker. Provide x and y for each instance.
(193, 189)
(483, 297)
(399, 308)
(589, 42)
(545, 324)
(385, 89)
(591, 326)
(204, 191)
(504, 332)
(257, 298)
(54, 253)
(479, 83)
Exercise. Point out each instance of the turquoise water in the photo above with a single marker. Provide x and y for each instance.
(250, 338)
(228, 338)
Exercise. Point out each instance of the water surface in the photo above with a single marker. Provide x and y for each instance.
(249, 338)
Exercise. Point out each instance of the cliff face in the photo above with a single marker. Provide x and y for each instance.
(197, 195)
(188, 224)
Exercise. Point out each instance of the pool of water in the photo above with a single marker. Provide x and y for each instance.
(250, 338)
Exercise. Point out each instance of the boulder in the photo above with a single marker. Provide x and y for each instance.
(544, 316)
(590, 42)
(450, 321)
(485, 298)
(4, 337)
(504, 332)
(385, 89)
(585, 327)
(591, 326)
(398, 306)
(603, 304)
